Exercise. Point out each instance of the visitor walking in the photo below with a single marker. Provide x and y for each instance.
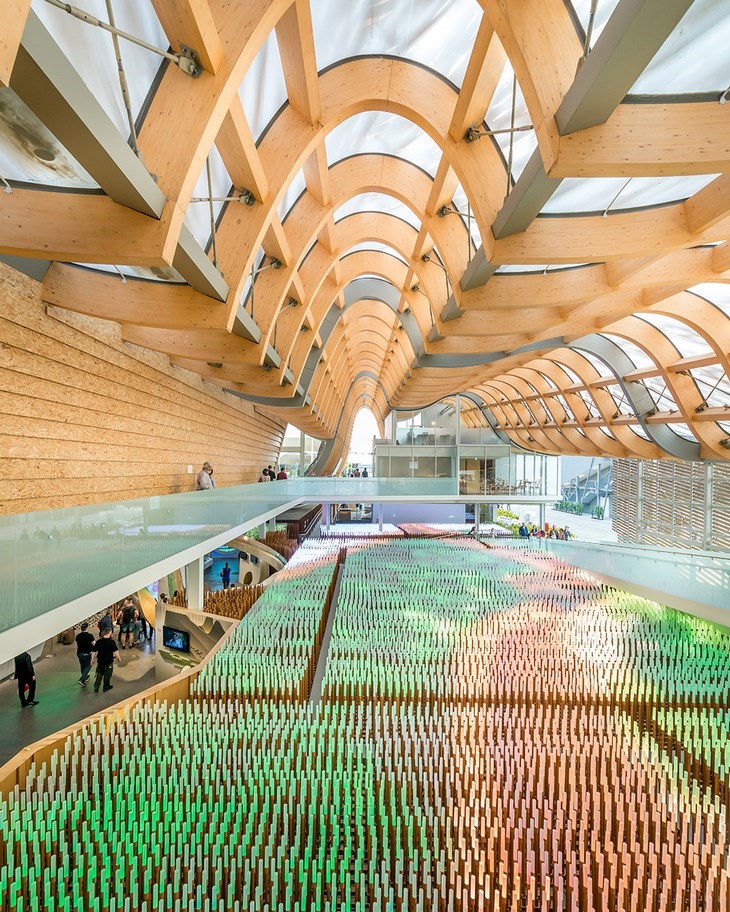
(126, 628)
(25, 674)
(107, 653)
(84, 647)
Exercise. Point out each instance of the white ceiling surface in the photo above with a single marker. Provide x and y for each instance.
(378, 202)
(91, 51)
(597, 194)
(437, 34)
(694, 59)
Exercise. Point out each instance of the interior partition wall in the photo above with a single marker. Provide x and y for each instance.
(481, 469)
(681, 504)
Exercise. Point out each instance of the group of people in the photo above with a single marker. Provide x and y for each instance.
(268, 474)
(533, 531)
(133, 625)
(205, 481)
(103, 647)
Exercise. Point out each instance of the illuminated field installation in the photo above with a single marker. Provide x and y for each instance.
(495, 732)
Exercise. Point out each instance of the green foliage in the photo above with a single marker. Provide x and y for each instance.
(567, 506)
(597, 512)
(506, 514)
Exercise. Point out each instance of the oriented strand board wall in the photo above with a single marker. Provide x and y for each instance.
(87, 418)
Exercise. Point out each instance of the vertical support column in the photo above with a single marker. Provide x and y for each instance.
(272, 524)
(326, 516)
(194, 572)
(708, 506)
(262, 531)
(541, 514)
(380, 517)
(477, 518)
(302, 452)
(639, 500)
(543, 474)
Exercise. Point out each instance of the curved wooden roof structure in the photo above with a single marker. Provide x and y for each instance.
(318, 205)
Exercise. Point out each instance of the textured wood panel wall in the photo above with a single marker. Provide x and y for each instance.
(669, 503)
(88, 418)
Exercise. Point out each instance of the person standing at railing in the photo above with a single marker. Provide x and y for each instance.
(205, 480)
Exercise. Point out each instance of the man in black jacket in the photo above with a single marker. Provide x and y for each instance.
(106, 654)
(25, 674)
(84, 644)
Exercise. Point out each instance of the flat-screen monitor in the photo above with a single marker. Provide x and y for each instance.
(176, 639)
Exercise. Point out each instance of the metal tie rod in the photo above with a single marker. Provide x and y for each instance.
(186, 61)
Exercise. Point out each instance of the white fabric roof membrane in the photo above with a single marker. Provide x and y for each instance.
(388, 134)
(378, 202)
(499, 117)
(91, 51)
(604, 9)
(436, 33)
(690, 60)
(582, 195)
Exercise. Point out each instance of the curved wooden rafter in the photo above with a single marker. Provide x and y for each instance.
(495, 338)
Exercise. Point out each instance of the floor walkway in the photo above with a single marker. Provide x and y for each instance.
(585, 528)
(315, 694)
(61, 700)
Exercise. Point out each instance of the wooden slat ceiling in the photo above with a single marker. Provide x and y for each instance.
(498, 283)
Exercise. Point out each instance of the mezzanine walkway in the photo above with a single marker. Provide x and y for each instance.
(58, 567)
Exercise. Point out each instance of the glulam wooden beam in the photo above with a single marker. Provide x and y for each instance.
(190, 23)
(14, 17)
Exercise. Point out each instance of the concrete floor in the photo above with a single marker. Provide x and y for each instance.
(61, 700)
